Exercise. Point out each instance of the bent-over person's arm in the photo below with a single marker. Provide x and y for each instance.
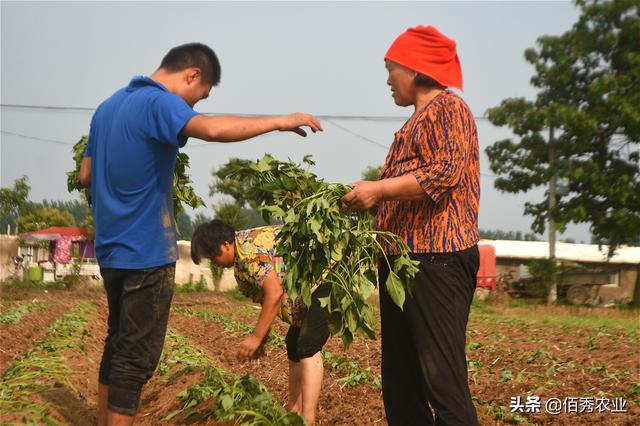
(273, 295)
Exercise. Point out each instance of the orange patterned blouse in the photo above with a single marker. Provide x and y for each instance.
(439, 146)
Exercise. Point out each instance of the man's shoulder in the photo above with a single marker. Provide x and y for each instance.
(108, 103)
(144, 93)
(147, 98)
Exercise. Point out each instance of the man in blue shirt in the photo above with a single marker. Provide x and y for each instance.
(129, 163)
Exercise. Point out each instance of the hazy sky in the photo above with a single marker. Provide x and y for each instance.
(324, 58)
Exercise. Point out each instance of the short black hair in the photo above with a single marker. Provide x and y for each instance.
(208, 237)
(422, 80)
(194, 55)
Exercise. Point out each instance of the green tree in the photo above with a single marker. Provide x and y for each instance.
(225, 183)
(43, 218)
(255, 218)
(232, 214)
(200, 219)
(77, 208)
(13, 202)
(80, 210)
(242, 212)
(583, 128)
(371, 173)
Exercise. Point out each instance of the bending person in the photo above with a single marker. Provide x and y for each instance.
(259, 273)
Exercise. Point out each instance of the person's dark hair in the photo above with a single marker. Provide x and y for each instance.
(208, 237)
(422, 80)
(194, 55)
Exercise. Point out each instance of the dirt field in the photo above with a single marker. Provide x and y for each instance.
(50, 347)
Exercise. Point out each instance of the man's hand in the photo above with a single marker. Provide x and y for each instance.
(248, 347)
(294, 122)
(364, 195)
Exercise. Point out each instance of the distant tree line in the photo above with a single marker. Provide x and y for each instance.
(20, 214)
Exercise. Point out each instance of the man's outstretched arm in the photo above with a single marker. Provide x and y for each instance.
(228, 128)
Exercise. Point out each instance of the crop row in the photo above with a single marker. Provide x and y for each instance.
(354, 373)
(43, 367)
(219, 394)
(14, 314)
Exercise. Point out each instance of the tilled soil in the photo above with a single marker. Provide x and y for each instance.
(510, 358)
(15, 339)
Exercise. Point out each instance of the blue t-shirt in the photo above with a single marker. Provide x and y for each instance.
(133, 145)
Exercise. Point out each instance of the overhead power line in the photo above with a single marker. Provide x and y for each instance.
(20, 135)
(364, 138)
(351, 132)
(194, 146)
(320, 116)
(47, 107)
(203, 144)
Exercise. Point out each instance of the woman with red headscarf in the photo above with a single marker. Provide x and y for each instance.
(429, 195)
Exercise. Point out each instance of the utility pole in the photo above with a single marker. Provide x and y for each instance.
(553, 289)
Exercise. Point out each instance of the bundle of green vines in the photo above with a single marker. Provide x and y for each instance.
(320, 241)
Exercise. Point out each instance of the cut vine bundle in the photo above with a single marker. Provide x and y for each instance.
(322, 242)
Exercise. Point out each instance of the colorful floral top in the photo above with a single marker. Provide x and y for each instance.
(255, 258)
(439, 147)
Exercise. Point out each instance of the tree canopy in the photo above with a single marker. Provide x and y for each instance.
(588, 80)
(242, 211)
(372, 173)
(14, 202)
(43, 218)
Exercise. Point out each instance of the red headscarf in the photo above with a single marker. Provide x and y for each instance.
(429, 52)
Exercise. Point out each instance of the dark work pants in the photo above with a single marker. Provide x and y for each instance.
(139, 302)
(307, 340)
(423, 347)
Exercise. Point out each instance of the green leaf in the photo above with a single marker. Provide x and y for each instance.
(306, 295)
(395, 290)
(274, 210)
(324, 301)
(315, 228)
(226, 401)
(265, 164)
(335, 322)
(352, 322)
(365, 288)
(174, 413)
(291, 217)
(307, 159)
